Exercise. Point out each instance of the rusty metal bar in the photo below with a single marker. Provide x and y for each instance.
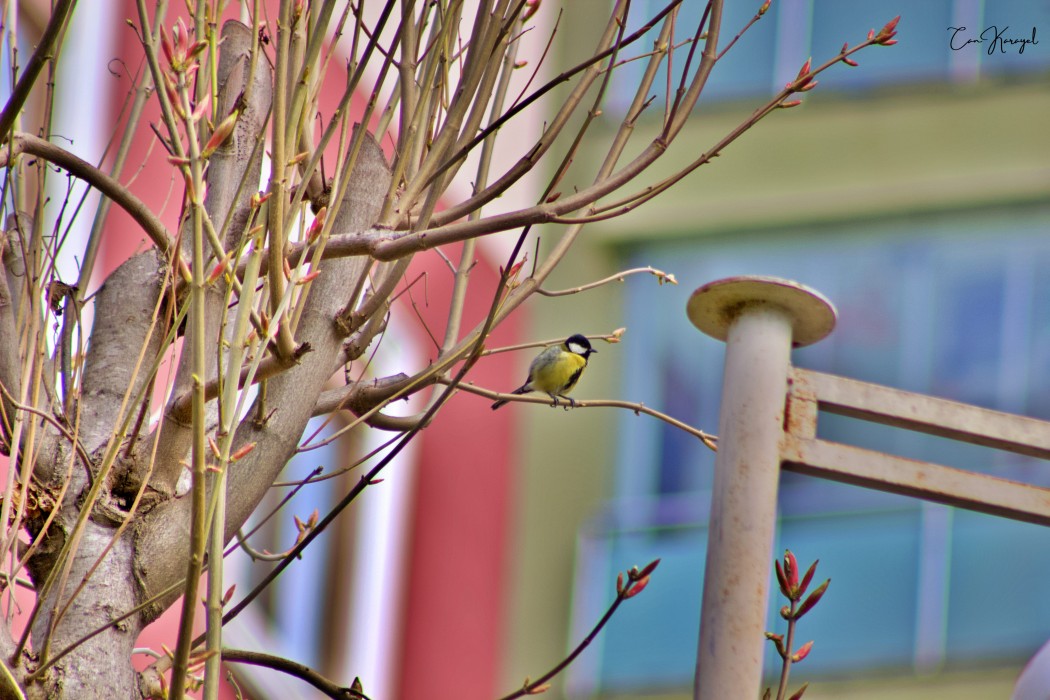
(933, 482)
(927, 414)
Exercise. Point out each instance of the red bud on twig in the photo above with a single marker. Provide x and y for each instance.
(803, 652)
(166, 45)
(242, 452)
(258, 198)
(219, 269)
(778, 642)
(782, 579)
(309, 277)
(812, 600)
(221, 134)
(886, 34)
(531, 7)
(649, 568)
(807, 578)
(803, 76)
(805, 68)
(791, 572)
(636, 588)
(316, 225)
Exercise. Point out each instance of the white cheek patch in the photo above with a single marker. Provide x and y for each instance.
(577, 348)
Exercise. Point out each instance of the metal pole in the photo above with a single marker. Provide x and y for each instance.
(760, 319)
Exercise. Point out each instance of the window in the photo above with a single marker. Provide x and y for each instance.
(951, 306)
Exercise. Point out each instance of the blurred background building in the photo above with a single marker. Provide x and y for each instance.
(913, 190)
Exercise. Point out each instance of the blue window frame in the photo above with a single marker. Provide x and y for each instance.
(955, 306)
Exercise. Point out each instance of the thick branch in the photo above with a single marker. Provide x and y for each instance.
(233, 172)
(362, 397)
(10, 363)
(109, 591)
(160, 561)
(384, 245)
(124, 314)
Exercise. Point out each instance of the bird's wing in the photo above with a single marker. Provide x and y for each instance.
(543, 358)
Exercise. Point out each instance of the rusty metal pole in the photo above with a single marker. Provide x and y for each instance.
(760, 318)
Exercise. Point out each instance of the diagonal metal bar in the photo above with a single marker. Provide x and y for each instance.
(927, 414)
(933, 482)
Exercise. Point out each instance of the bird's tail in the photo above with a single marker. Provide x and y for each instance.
(524, 389)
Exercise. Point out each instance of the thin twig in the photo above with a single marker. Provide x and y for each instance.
(709, 440)
(28, 143)
(637, 581)
(618, 277)
(41, 56)
(303, 673)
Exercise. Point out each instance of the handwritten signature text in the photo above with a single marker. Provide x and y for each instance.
(992, 36)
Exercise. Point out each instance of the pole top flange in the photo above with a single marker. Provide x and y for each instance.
(714, 306)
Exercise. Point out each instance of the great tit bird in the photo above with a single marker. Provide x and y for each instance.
(556, 370)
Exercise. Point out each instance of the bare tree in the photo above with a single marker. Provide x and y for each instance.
(273, 293)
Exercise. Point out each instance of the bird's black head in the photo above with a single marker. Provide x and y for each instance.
(579, 345)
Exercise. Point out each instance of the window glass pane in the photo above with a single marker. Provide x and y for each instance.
(956, 306)
(999, 572)
(1013, 20)
(746, 70)
(948, 307)
(867, 619)
(652, 643)
(927, 50)
(920, 54)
